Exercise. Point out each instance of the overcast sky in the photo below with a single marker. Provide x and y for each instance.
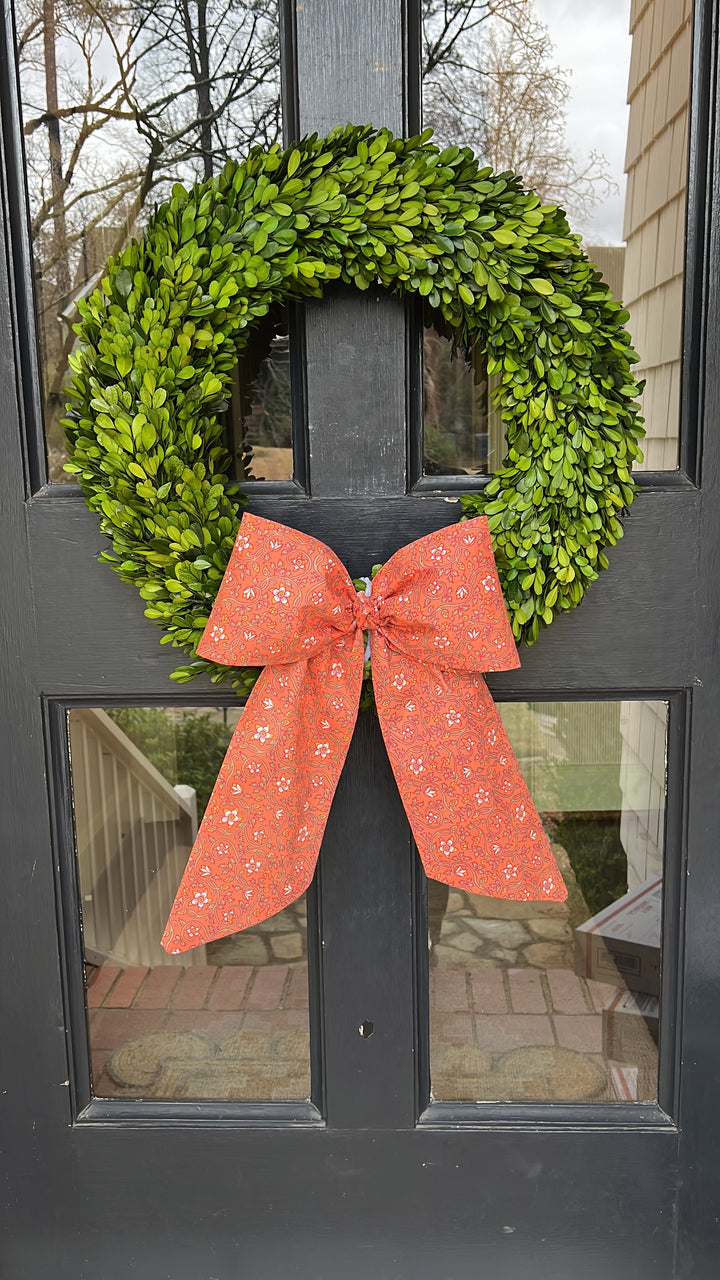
(591, 40)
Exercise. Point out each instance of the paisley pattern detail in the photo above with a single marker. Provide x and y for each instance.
(436, 619)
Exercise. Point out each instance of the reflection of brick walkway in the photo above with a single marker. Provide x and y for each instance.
(215, 1003)
(241, 1031)
(499, 1009)
(489, 1026)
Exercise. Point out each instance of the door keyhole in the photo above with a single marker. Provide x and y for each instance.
(366, 1029)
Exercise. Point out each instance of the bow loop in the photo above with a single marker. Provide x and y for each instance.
(440, 601)
(436, 618)
(284, 597)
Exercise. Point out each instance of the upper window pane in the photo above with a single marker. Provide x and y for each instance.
(120, 101)
(588, 103)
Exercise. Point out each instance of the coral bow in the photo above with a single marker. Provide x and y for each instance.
(436, 619)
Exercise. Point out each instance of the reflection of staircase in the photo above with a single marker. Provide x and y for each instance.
(133, 833)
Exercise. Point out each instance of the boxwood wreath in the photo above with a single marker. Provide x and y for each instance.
(159, 340)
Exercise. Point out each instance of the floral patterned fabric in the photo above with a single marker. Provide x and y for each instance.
(436, 619)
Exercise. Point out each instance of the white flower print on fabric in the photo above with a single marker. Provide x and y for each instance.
(435, 704)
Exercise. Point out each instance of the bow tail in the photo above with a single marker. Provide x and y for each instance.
(259, 840)
(470, 810)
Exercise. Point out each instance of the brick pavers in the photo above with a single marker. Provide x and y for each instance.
(231, 983)
(158, 987)
(192, 990)
(474, 1011)
(127, 986)
(526, 992)
(487, 991)
(216, 1002)
(267, 988)
(567, 992)
(513, 1031)
(582, 1032)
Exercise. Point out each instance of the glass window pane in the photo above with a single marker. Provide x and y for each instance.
(120, 102)
(225, 1021)
(588, 103)
(260, 419)
(559, 1002)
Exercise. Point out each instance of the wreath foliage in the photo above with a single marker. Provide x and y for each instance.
(159, 340)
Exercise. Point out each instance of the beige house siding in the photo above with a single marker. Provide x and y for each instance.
(656, 165)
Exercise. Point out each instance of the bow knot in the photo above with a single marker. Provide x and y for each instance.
(367, 611)
(287, 604)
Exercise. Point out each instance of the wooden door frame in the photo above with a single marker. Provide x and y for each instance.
(573, 1190)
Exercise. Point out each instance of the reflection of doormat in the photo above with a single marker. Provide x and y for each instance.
(137, 1063)
(523, 1075)
(185, 1065)
(251, 1080)
(546, 1075)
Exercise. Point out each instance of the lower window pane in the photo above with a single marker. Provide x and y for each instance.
(558, 1002)
(224, 1021)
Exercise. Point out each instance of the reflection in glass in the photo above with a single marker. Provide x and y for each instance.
(119, 102)
(559, 1001)
(224, 1021)
(589, 104)
(457, 415)
(261, 406)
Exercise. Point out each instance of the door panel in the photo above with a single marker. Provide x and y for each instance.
(103, 641)
(374, 1174)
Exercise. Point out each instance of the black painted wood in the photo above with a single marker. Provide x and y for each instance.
(412, 1205)
(368, 947)
(94, 639)
(222, 1191)
(356, 404)
(355, 401)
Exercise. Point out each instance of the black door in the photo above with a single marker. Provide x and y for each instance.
(390, 1078)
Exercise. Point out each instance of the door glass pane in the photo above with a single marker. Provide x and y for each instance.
(588, 103)
(120, 102)
(558, 1002)
(228, 1020)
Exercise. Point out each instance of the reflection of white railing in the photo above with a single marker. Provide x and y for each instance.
(133, 833)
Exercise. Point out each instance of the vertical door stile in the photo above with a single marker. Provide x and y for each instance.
(357, 447)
